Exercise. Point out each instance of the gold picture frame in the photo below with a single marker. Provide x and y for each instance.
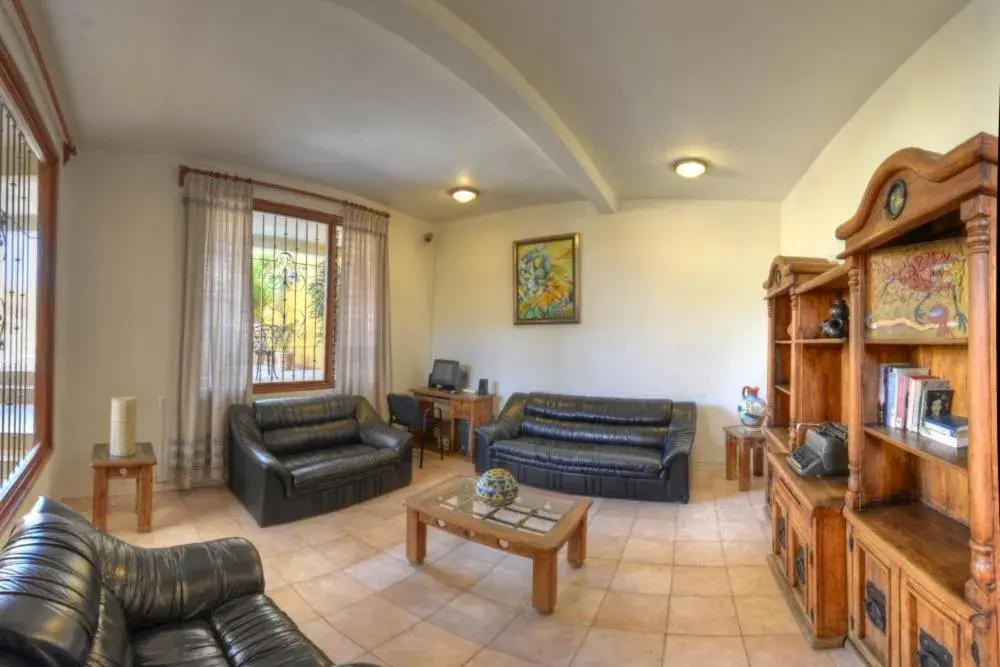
(547, 280)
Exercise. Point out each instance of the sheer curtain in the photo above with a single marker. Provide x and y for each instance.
(362, 358)
(216, 338)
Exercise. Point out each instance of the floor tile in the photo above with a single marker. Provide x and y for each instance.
(459, 570)
(217, 529)
(606, 546)
(548, 641)
(692, 651)
(705, 554)
(623, 648)
(420, 594)
(380, 571)
(645, 550)
(503, 585)
(603, 524)
(174, 535)
(385, 534)
(302, 565)
(332, 592)
(293, 604)
(753, 580)
(333, 643)
(662, 511)
(489, 657)
(702, 616)
(345, 551)
(761, 615)
(473, 550)
(372, 622)
(642, 578)
(574, 604)
(633, 611)
(691, 580)
(740, 531)
(746, 553)
(654, 529)
(425, 645)
(595, 573)
(783, 650)
(619, 507)
(475, 618)
(697, 530)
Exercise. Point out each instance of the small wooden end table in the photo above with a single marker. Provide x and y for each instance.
(535, 526)
(741, 442)
(138, 467)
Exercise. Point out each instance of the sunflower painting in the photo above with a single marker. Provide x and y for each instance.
(547, 280)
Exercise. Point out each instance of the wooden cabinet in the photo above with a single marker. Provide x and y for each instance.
(808, 540)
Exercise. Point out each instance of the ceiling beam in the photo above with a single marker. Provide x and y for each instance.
(454, 44)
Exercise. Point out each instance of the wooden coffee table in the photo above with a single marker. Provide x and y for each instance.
(535, 526)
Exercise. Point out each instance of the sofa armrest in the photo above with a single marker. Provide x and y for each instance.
(180, 583)
(680, 433)
(247, 437)
(506, 426)
(375, 432)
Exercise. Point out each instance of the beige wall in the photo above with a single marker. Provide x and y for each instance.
(945, 93)
(118, 304)
(670, 304)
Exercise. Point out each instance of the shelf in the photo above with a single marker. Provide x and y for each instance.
(834, 279)
(777, 438)
(825, 342)
(923, 447)
(926, 540)
(947, 342)
(783, 342)
(817, 491)
(784, 388)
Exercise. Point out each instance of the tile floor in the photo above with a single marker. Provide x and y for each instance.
(663, 585)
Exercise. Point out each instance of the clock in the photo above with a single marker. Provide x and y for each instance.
(895, 199)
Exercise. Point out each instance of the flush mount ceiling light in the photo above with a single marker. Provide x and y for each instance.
(463, 194)
(690, 167)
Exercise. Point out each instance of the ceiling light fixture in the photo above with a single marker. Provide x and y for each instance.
(464, 194)
(690, 167)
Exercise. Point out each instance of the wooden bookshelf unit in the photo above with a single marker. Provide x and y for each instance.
(922, 517)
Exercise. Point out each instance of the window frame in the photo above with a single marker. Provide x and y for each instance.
(332, 222)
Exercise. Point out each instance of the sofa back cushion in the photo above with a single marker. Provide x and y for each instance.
(607, 421)
(299, 439)
(50, 591)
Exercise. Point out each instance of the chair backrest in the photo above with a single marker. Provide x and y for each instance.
(404, 409)
(306, 423)
(598, 421)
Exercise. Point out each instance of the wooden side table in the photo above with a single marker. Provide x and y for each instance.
(741, 442)
(138, 467)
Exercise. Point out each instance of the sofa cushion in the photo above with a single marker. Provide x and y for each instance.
(621, 411)
(581, 457)
(315, 468)
(272, 413)
(190, 644)
(594, 433)
(255, 633)
(298, 439)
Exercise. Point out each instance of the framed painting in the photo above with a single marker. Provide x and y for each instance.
(918, 292)
(547, 280)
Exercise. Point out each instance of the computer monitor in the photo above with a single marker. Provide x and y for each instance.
(447, 374)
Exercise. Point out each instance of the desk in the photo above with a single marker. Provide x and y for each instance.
(475, 408)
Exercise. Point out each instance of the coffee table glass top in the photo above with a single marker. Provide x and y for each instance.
(532, 513)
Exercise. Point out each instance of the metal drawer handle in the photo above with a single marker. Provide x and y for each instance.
(800, 567)
(781, 532)
(932, 654)
(875, 606)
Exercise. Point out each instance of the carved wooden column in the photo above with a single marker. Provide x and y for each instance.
(978, 214)
(793, 378)
(855, 408)
(770, 355)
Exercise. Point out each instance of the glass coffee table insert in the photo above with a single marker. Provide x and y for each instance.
(530, 513)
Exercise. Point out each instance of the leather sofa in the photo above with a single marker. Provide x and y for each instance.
(292, 458)
(607, 447)
(71, 595)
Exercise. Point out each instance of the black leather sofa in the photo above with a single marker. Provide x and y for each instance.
(71, 595)
(607, 447)
(292, 458)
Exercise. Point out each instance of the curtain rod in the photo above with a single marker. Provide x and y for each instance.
(185, 170)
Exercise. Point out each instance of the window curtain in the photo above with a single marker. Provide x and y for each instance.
(362, 357)
(217, 323)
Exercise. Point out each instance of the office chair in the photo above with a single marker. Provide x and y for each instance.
(404, 410)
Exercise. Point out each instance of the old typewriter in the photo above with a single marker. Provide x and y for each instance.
(823, 451)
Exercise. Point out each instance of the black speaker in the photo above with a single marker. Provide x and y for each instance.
(484, 386)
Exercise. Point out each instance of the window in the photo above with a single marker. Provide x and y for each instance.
(294, 300)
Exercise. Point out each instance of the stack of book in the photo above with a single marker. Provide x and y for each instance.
(912, 399)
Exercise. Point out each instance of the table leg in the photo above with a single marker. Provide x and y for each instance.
(99, 509)
(730, 457)
(577, 551)
(453, 434)
(145, 494)
(543, 581)
(416, 538)
(744, 468)
(758, 461)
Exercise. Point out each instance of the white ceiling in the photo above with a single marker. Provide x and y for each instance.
(532, 101)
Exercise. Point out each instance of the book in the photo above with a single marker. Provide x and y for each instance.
(958, 441)
(915, 403)
(907, 393)
(948, 425)
(883, 384)
(896, 400)
(937, 403)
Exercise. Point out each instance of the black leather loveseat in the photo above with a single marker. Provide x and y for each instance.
(292, 458)
(608, 447)
(71, 595)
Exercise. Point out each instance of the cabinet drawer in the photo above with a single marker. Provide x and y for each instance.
(930, 635)
(872, 602)
(461, 410)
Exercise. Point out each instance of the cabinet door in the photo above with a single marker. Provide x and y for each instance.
(929, 634)
(780, 529)
(871, 602)
(800, 573)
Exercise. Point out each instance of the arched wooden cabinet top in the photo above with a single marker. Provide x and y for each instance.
(786, 272)
(915, 195)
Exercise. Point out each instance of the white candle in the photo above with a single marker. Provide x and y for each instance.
(122, 442)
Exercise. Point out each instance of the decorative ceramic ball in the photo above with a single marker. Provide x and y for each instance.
(497, 487)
